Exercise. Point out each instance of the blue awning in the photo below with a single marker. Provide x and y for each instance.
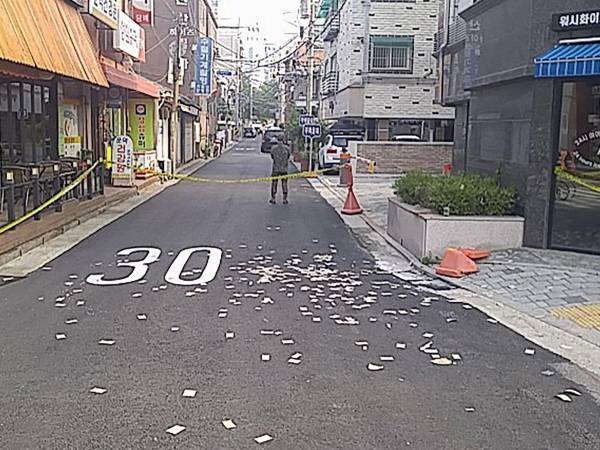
(569, 60)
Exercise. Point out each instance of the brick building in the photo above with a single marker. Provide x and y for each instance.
(379, 70)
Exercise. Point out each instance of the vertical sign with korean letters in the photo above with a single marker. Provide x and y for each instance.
(106, 11)
(122, 168)
(142, 11)
(129, 38)
(204, 56)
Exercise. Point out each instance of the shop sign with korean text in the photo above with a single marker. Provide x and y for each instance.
(204, 57)
(142, 11)
(141, 119)
(579, 20)
(122, 158)
(106, 11)
(130, 38)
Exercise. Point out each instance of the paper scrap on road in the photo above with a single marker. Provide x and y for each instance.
(263, 439)
(548, 373)
(71, 321)
(60, 336)
(564, 398)
(442, 362)
(574, 392)
(175, 329)
(189, 393)
(142, 317)
(106, 342)
(400, 345)
(386, 358)
(469, 409)
(229, 335)
(374, 367)
(98, 390)
(229, 424)
(265, 357)
(529, 351)
(175, 430)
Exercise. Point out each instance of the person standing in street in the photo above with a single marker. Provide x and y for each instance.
(280, 154)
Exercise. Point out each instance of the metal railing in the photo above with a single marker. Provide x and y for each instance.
(332, 28)
(330, 83)
(38, 184)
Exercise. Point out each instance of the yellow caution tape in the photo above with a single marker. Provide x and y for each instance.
(561, 173)
(307, 174)
(50, 201)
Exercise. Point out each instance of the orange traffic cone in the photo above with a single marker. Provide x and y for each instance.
(351, 207)
(456, 264)
(475, 253)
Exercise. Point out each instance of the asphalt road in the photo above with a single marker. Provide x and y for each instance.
(287, 272)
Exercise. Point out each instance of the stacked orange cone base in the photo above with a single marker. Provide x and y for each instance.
(351, 207)
(459, 262)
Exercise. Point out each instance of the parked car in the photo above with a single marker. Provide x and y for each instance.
(268, 136)
(249, 132)
(335, 145)
(406, 138)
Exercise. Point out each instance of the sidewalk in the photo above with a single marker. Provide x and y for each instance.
(560, 289)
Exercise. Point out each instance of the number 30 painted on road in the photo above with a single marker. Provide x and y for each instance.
(173, 275)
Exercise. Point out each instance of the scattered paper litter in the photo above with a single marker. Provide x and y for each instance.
(456, 357)
(189, 393)
(469, 409)
(548, 373)
(71, 321)
(98, 390)
(80, 303)
(564, 398)
(529, 351)
(60, 336)
(142, 317)
(229, 335)
(490, 320)
(442, 362)
(136, 295)
(386, 358)
(287, 342)
(265, 357)
(106, 342)
(573, 392)
(175, 430)
(427, 335)
(374, 367)
(175, 329)
(229, 424)
(400, 345)
(263, 439)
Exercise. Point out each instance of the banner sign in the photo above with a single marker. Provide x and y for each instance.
(106, 11)
(122, 155)
(130, 38)
(143, 11)
(141, 118)
(69, 137)
(204, 61)
(580, 20)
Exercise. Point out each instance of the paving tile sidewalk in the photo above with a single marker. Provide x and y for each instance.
(560, 288)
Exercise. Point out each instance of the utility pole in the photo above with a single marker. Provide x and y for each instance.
(176, 80)
(311, 69)
(251, 100)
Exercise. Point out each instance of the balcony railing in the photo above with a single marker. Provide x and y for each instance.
(330, 84)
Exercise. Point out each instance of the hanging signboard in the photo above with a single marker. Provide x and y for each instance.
(311, 131)
(129, 38)
(106, 11)
(141, 119)
(204, 56)
(142, 11)
(579, 20)
(122, 157)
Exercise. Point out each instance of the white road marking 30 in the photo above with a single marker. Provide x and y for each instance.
(173, 275)
(209, 273)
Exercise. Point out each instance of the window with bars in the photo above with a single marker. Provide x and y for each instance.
(391, 54)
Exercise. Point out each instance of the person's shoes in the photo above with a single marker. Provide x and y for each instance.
(285, 201)
(272, 201)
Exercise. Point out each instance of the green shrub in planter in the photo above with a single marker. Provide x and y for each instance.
(460, 195)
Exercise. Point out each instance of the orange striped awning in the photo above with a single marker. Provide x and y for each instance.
(49, 35)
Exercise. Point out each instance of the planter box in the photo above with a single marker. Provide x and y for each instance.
(425, 233)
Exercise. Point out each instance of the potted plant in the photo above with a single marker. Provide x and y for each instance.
(431, 213)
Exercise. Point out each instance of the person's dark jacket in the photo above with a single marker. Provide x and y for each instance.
(280, 153)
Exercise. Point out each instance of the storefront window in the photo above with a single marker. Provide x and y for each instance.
(576, 212)
(25, 123)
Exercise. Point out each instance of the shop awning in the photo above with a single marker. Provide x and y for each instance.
(569, 60)
(48, 35)
(131, 81)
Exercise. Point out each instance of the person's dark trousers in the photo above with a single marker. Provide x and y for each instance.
(284, 185)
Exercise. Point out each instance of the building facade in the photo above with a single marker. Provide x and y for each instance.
(379, 71)
(534, 112)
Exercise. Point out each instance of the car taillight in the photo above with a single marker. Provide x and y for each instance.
(331, 150)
